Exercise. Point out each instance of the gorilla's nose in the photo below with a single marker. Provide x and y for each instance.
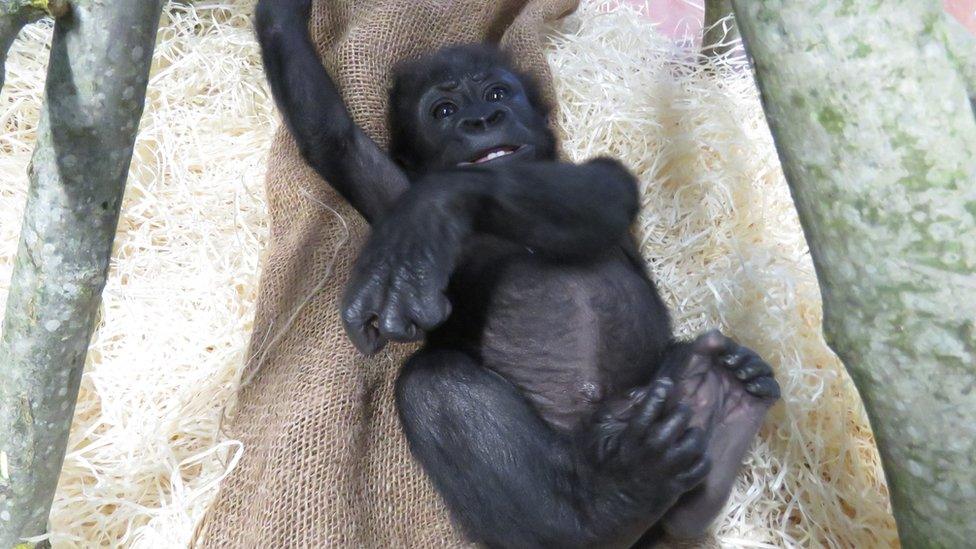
(484, 122)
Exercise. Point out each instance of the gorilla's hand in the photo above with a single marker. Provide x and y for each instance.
(396, 291)
(648, 444)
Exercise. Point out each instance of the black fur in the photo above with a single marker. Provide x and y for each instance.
(550, 404)
(412, 77)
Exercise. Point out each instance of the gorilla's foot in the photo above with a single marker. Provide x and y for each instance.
(729, 388)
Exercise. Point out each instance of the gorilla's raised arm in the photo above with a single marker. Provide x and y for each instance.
(568, 212)
(316, 116)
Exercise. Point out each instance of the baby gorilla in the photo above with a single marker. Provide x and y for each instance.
(550, 404)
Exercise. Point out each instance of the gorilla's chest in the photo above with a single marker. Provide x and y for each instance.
(569, 335)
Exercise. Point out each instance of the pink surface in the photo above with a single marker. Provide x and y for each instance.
(675, 18)
(683, 18)
(964, 11)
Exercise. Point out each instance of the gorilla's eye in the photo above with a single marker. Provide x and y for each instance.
(444, 109)
(496, 93)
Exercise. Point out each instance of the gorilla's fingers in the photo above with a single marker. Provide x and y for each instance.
(623, 410)
(643, 416)
(736, 358)
(753, 368)
(689, 448)
(364, 296)
(654, 404)
(764, 387)
(430, 311)
(674, 424)
(695, 474)
(359, 312)
(393, 324)
(364, 335)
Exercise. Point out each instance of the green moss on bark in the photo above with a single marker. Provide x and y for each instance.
(867, 102)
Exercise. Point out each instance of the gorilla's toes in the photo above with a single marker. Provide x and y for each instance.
(755, 373)
(763, 387)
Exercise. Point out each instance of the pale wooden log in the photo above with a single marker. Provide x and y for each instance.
(96, 83)
(867, 102)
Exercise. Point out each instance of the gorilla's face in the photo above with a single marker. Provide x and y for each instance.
(476, 119)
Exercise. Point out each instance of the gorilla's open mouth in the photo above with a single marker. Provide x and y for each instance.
(493, 153)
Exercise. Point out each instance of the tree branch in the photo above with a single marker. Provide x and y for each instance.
(15, 14)
(720, 33)
(57, 8)
(97, 74)
(875, 133)
(10, 25)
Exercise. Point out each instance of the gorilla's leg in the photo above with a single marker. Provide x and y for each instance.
(512, 481)
(480, 444)
(729, 388)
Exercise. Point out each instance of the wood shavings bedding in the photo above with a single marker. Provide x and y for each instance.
(717, 228)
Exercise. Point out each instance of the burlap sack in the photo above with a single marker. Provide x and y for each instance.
(325, 463)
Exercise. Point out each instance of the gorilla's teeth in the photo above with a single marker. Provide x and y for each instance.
(493, 155)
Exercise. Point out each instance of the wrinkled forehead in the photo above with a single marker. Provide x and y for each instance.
(454, 82)
(448, 65)
(453, 78)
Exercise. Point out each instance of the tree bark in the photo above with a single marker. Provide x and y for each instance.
(14, 14)
(96, 83)
(867, 103)
(717, 38)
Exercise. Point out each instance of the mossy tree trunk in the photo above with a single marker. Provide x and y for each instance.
(96, 83)
(867, 102)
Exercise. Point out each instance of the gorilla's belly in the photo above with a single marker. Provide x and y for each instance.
(571, 336)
